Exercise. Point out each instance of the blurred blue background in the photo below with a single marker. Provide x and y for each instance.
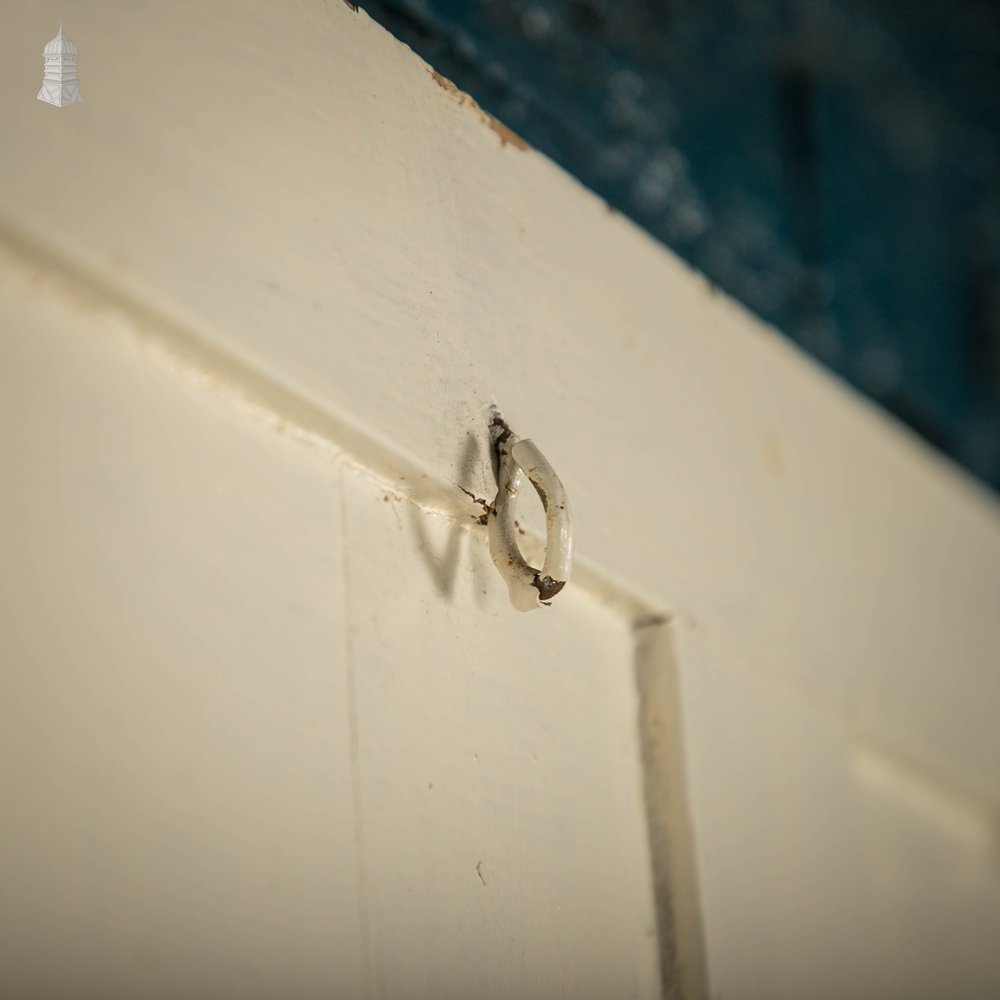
(833, 164)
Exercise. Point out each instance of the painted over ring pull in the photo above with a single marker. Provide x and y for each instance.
(518, 459)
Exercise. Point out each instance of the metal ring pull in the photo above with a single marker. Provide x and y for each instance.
(529, 587)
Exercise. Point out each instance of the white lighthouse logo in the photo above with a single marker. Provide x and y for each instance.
(60, 85)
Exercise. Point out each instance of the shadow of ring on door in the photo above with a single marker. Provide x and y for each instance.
(443, 563)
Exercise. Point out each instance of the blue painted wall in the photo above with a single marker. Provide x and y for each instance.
(834, 164)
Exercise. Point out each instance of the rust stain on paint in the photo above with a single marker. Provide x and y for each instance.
(506, 135)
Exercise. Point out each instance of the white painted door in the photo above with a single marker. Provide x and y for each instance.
(270, 724)
(271, 729)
